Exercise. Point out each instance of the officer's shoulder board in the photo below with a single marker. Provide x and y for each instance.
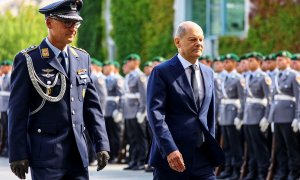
(27, 50)
(82, 50)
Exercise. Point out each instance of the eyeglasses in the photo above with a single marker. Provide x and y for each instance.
(68, 24)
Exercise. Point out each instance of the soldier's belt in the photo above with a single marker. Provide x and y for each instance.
(263, 101)
(235, 102)
(284, 97)
(132, 95)
(4, 93)
(112, 98)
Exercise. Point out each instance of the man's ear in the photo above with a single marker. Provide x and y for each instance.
(176, 42)
(48, 23)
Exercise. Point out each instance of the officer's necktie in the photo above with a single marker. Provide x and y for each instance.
(194, 84)
(63, 61)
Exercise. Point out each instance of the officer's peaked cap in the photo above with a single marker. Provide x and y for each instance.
(296, 57)
(63, 9)
(232, 56)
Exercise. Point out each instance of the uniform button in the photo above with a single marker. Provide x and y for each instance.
(71, 86)
(72, 99)
(48, 82)
(39, 130)
(73, 112)
(74, 126)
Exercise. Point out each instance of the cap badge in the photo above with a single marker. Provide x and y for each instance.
(73, 7)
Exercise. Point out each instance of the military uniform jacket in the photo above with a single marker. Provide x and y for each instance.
(99, 82)
(285, 97)
(257, 87)
(115, 91)
(218, 78)
(232, 90)
(4, 92)
(134, 99)
(45, 138)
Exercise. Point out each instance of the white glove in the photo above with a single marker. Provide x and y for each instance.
(294, 125)
(263, 124)
(299, 125)
(238, 123)
(272, 127)
(140, 117)
(117, 116)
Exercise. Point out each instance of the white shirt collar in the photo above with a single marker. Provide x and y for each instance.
(185, 63)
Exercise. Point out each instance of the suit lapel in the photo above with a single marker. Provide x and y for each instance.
(48, 55)
(206, 84)
(181, 78)
(73, 61)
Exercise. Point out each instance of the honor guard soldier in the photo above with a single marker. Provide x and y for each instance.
(113, 115)
(258, 85)
(284, 113)
(135, 112)
(4, 93)
(296, 62)
(231, 111)
(206, 60)
(54, 102)
(157, 60)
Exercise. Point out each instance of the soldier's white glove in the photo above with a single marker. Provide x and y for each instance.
(140, 117)
(272, 127)
(299, 125)
(263, 124)
(117, 116)
(294, 125)
(238, 123)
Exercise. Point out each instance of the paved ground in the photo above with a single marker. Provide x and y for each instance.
(111, 172)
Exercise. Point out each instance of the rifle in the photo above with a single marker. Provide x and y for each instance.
(273, 161)
(244, 167)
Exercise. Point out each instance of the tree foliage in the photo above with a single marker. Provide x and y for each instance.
(274, 27)
(20, 32)
(92, 32)
(144, 27)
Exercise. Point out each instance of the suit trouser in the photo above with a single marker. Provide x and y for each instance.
(286, 150)
(114, 136)
(259, 153)
(232, 139)
(3, 134)
(137, 140)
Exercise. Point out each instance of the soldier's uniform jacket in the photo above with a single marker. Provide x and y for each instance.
(4, 92)
(232, 98)
(285, 97)
(114, 84)
(257, 87)
(99, 81)
(50, 131)
(218, 78)
(134, 98)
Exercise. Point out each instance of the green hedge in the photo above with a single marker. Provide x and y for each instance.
(144, 27)
(274, 27)
(91, 34)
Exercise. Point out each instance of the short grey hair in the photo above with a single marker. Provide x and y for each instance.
(182, 28)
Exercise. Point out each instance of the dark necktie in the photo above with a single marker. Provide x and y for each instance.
(63, 61)
(194, 84)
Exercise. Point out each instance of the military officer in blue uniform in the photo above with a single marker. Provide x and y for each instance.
(4, 93)
(54, 102)
(113, 110)
(257, 86)
(284, 113)
(134, 110)
(231, 111)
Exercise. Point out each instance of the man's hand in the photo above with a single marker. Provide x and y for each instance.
(238, 123)
(175, 161)
(294, 125)
(140, 117)
(117, 116)
(19, 168)
(102, 158)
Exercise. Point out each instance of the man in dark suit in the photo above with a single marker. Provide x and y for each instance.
(180, 107)
(54, 102)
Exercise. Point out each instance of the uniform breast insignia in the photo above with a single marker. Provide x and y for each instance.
(243, 82)
(268, 80)
(45, 53)
(143, 79)
(81, 71)
(47, 73)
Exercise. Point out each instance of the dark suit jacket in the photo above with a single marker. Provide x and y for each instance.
(174, 118)
(46, 138)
